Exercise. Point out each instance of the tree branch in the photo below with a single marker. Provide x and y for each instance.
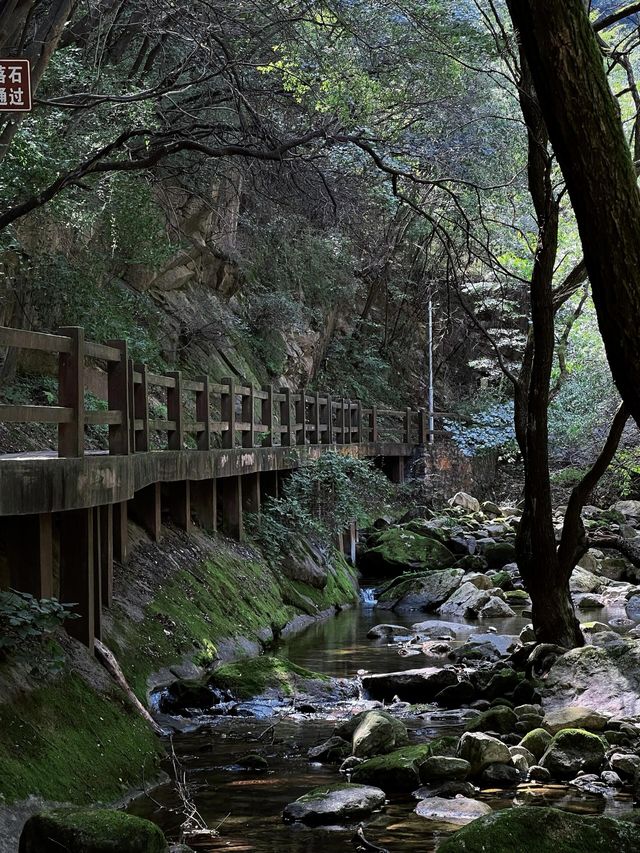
(615, 17)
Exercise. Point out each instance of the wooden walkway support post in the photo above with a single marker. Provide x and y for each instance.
(141, 409)
(28, 541)
(267, 416)
(373, 436)
(77, 573)
(327, 435)
(118, 393)
(145, 507)
(285, 418)
(175, 437)
(71, 393)
(232, 520)
(301, 417)
(203, 416)
(249, 417)
(106, 552)
(423, 427)
(204, 503)
(407, 426)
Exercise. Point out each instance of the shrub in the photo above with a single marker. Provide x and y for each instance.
(24, 618)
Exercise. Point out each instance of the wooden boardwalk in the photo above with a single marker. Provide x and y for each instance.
(187, 449)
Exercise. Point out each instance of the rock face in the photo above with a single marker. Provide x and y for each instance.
(411, 685)
(605, 679)
(543, 830)
(90, 831)
(458, 811)
(481, 750)
(378, 733)
(334, 803)
(572, 751)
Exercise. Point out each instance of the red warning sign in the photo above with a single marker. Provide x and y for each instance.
(15, 85)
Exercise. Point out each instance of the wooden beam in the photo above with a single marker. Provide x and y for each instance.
(232, 519)
(204, 503)
(119, 400)
(71, 393)
(121, 531)
(145, 508)
(76, 572)
(28, 541)
(106, 553)
(179, 503)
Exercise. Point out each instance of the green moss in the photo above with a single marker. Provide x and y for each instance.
(401, 546)
(543, 830)
(91, 830)
(225, 597)
(252, 676)
(400, 770)
(65, 741)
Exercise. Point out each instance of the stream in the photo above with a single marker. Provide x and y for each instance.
(246, 805)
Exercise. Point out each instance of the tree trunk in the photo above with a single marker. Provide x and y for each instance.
(584, 126)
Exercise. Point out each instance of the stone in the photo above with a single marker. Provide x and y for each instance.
(538, 774)
(574, 717)
(397, 771)
(462, 499)
(480, 750)
(503, 683)
(521, 764)
(458, 811)
(386, 632)
(465, 602)
(583, 581)
(456, 694)
(589, 562)
(499, 719)
(442, 768)
(536, 742)
(441, 630)
(498, 554)
(594, 627)
(605, 679)
(479, 580)
(589, 601)
(613, 568)
(611, 779)
(84, 830)
(429, 591)
(500, 776)
(527, 635)
(377, 733)
(633, 607)
(447, 789)
(522, 752)
(572, 751)
(334, 803)
(491, 509)
(495, 608)
(630, 509)
(410, 685)
(626, 765)
(332, 751)
(543, 830)
(396, 548)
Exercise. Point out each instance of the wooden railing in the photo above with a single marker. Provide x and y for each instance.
(200, 414)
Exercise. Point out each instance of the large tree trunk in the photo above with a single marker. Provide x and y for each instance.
(584, 126)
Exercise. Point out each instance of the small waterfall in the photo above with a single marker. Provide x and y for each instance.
(368, 597)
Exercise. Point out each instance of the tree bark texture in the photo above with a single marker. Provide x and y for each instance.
(584, 126)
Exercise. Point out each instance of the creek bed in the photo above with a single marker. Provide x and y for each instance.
(247, 804)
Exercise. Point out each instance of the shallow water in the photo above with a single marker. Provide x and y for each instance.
(247, 805)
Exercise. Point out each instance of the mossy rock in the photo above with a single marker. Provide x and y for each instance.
(573, 750)
(398, 547)
(400, 769)
(90, 831)
(498, 554)
(500, 719)
(543, 830)
(252, 676)
(536, 741)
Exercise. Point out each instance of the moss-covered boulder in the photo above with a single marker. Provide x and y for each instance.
(399, 547)
(571, 751)
(90, 831)
(253, 676)
(334, 803)
(536, 741)
(377, 733)
(500, 719)
(498, 554)
(543, 830)
(425, 591)
(400, 770)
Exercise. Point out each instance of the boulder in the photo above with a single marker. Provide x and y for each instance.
(614, 568)
(630, 509)
(386, 632)
(495, 608)
(543, 830)
(536, 742)
(574, 717)
(589, 601)
(498, 554)
(332, 751)
(465, 602)
(410, 685)
(457, 811)
(456, 694)
(605, 679)
(84, 830)
(583, 581)
(443, 768)
(377, 733)
(438, 629)
(334, 803)
(396, 548)
(397, 771)
(626, 765)
(480, 750)
(499, 719)
(467, 502)
(572, 751)
(429, 591)
(500, 776)
(479, 580)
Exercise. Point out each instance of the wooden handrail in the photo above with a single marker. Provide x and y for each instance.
(232, 409)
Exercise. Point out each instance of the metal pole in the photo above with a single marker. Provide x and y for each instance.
(430, 348)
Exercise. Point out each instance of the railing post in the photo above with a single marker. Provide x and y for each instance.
(141, 408)
(339, 433)
(119, 400)
(301, 417)
(267, 415)
(422, 426)
(71, 393)
(249, 416)
(175, 438)
(327, 435)
(374, 423)
(359, 436)
(316, 435)
(203, 415)
(132, 408)
(407, 426)
(228, 412)
(285, 417)
(348, 421)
